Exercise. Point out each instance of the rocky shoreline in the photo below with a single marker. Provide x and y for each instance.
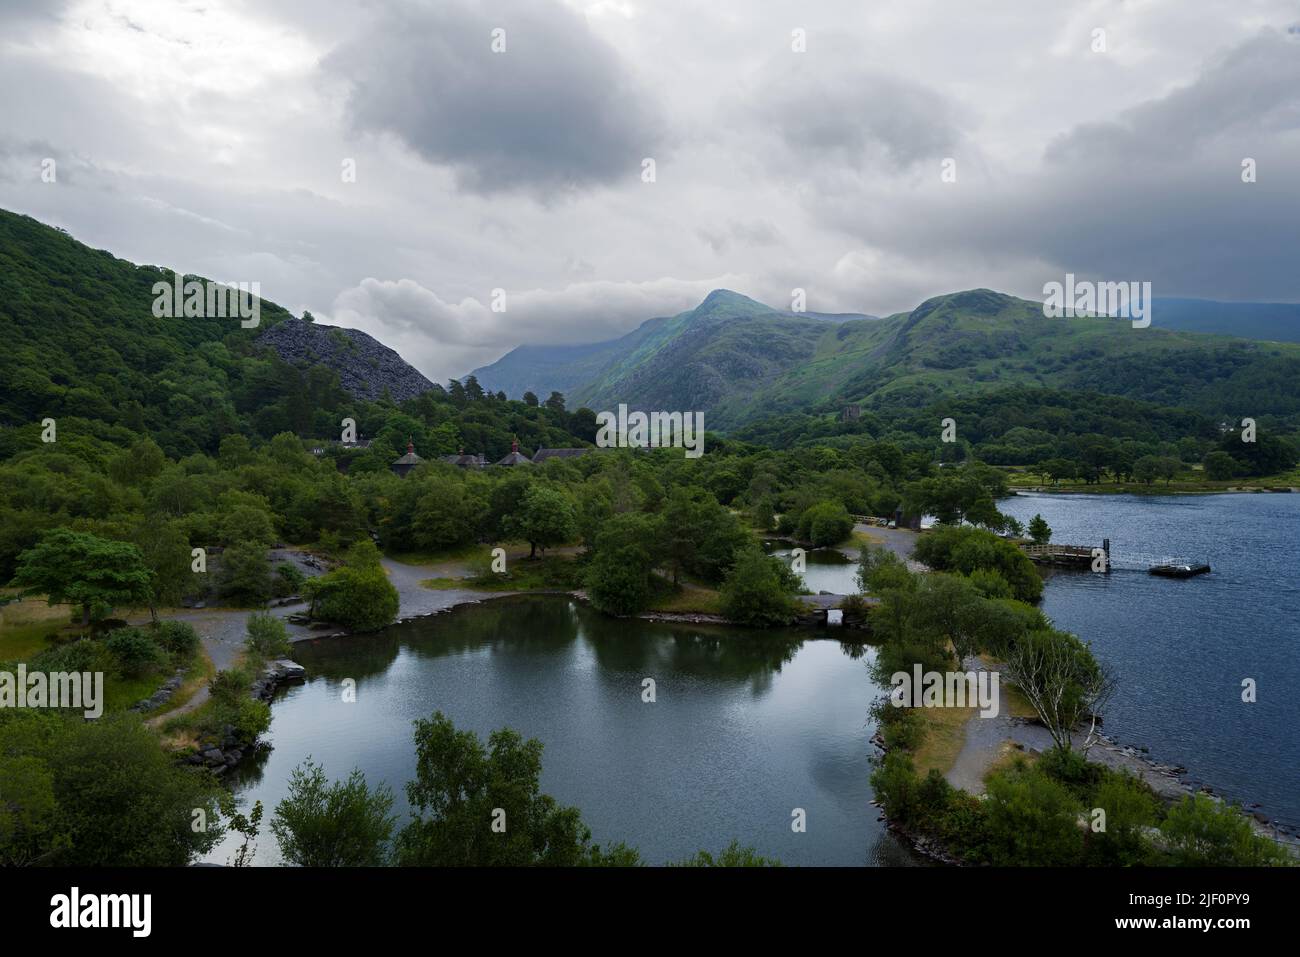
(221, 758)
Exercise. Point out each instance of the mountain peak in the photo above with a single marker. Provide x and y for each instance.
(728, 301)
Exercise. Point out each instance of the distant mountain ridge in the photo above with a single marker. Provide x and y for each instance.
(738, 359)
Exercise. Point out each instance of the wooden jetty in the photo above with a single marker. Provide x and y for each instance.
(1069, 556)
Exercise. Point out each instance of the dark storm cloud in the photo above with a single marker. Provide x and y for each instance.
(1156, 194)
(555, 110)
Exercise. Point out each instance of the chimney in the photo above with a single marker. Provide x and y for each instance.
(514, 447)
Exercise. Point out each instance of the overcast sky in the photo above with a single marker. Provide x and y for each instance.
(212, 137)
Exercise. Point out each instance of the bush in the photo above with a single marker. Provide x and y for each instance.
(1202, 832)
(228, 687)
(825, 523)
(759, 591)
(1032, 819)
(288, 580)
(267, 637)
(178, 639)
(344, 824)
(359, 599)
(81, 655)
(137, 654)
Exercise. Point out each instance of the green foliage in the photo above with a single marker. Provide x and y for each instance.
(1039, 530)
(759, 590)
(825, 524)
(357, 596)
(1032, 820)
(97, 794)
(137, 653)
(1202, 832)
(267, 636)
(733, 855)
(966, 550)
(245, 576)
(618, 576)
(344, 824)
(86, 570)
(178, 639)
(545, 518)
(462, 789)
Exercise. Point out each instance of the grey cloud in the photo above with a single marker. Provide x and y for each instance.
(555, 111)
(855, 116)
(1250, 91)
(1155, 195)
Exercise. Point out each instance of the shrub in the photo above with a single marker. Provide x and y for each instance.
(825, 523)
(288, 580)
(137, 654)
(359, 599)
(267, 637)
(759, 590)
(178, 639)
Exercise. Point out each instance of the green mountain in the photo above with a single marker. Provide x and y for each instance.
(689, 358)
(82, 346)
(739, 360)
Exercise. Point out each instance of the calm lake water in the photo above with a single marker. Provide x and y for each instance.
(1181, 647)
(826, 569)
(747, 725)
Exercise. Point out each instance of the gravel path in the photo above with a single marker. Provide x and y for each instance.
(223, 630)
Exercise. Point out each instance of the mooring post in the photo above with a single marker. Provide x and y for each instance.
(1105, 547)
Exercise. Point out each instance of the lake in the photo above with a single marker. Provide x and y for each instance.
(747, 725)
(1181, 647)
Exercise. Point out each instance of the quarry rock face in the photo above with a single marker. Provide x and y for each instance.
(365, 366)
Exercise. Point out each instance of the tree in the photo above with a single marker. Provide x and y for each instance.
(825, 523)
(1062, 680)
(546, 517)
(759, 590)
(733, 855)
(530, 399)
(344, 824)
(86, 570)
(246, 573)
(1146, 469)
(358, 595)
(1202, 832)
(165, 548)
(618, 577)
(98, 794)
(476, 806)
(1039, 530)
(1219, 466)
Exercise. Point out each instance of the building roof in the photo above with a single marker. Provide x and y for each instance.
(515, 457)
(465, 461)
(410, 458)
(543, 454)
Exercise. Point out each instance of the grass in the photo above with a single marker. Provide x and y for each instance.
(547, 573)
(1192, 480)
(27, 626)
(687, 599)
(198, 674)
(945, 733)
